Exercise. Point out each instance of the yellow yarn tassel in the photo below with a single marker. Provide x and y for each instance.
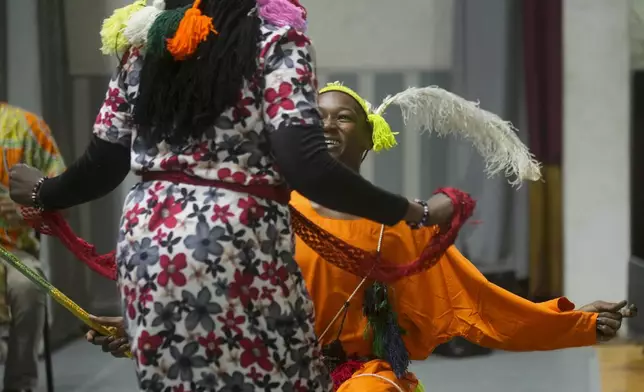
(112, 38)
(193, 30)
(383, 138)
(420, 387)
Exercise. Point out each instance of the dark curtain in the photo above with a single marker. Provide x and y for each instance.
(57, 111)
(542, 41)
(637, 168)
(3, 50)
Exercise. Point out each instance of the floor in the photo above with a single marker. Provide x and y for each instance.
(80, 367)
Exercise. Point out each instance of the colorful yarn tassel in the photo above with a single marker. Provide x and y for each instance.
(193, 30)
(165, 25)
(112, 38)
(139, 24)
(383, 138)
(382, 324)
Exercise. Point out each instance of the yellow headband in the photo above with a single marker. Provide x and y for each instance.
(382, 136)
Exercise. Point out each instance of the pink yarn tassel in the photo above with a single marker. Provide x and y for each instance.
(283, 13)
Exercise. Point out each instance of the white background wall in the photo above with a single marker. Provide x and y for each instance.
(378, 35)
(596, 149)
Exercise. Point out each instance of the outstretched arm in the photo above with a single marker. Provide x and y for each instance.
(493, 317)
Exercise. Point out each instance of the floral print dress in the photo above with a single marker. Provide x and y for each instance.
(213, 300)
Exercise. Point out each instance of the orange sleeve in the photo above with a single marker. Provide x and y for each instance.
(490, 316)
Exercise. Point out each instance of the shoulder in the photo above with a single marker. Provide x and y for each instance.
(271, 35)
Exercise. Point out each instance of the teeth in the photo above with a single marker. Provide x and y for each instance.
(332, 142)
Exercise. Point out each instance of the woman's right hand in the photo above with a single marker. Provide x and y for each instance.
(116, 345)
(441, 211)
(440, 208)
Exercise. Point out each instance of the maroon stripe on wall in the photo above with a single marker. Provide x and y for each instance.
(543, 62)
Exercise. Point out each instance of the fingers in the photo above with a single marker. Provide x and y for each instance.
(108, 321)
(609, 322)
(606, 333)
(603, 306)
(629, 311)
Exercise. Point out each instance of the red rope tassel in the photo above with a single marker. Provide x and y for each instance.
(53, 224)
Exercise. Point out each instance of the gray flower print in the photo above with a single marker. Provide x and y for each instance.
(185, 362)
(201, 309)
(167, 315)
(204, 242)
(145, 255)
(235, 383)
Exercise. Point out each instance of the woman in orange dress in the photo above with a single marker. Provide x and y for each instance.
(451, 299)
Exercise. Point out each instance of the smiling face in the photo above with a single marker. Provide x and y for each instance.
(347, 131)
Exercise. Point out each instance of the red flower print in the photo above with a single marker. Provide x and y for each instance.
(180, 388)
(279, 99)
(241, 110)
(274, 274)
(164, 214)
(130, 298)
(221, 213)
(132, 216)
(242, 288)
(225, 174)
(147, 344)
(172, 270)
(160, 236)
(251, 210)
(145, 297)
(254, 375)
(267, 293)
(297, 38)
(173, 164)
(114, 99)
(211, 345)
(255, 352)
(232, 322)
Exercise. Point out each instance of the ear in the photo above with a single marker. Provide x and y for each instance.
(367, 137)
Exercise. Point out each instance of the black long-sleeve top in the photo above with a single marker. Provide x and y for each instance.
(300, 152)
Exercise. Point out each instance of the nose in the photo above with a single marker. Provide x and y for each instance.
(330, 124)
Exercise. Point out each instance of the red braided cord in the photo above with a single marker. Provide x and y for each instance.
(359, 262)
(332, 249)
(53, 224)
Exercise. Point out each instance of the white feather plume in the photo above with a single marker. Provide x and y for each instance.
(137, 28)
(433, 109)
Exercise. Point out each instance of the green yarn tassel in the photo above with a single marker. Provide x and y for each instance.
(163, 28)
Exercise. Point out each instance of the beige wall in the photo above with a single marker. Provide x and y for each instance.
(414, 34)
(596, 163)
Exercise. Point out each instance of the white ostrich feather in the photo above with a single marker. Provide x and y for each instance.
(436, 110)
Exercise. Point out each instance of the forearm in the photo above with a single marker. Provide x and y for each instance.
(100, 170)
(302, 156)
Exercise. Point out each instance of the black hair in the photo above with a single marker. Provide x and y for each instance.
(179, 100)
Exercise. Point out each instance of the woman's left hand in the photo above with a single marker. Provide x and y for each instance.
(22, 180)
(609, 318)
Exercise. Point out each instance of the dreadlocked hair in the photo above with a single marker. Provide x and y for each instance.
(179, 100)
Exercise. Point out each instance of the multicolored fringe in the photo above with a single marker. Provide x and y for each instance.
(382, 325)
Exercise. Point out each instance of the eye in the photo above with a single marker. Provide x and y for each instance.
(344, 117)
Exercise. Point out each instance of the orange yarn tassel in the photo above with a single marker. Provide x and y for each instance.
(193, 30)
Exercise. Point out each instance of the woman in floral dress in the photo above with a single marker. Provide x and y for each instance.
(212, 298)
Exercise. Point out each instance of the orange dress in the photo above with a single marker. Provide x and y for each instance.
(452, 299)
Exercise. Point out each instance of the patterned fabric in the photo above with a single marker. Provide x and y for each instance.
(24, 138)
(212, 296)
